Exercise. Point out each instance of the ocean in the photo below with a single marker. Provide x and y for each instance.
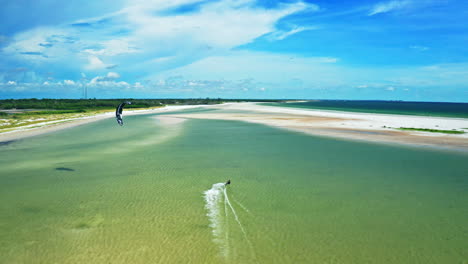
(153, 193)
(459, 110)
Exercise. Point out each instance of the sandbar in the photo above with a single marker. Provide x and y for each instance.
(382, 128)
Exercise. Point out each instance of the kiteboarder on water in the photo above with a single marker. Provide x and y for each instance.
(228, 182)
(118, 112)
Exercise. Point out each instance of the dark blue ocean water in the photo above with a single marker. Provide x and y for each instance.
(386, 107)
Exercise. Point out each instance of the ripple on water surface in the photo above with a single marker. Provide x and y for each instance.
(142, 195)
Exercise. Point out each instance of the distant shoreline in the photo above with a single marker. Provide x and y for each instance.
(382, 128)
(51, 126)
(431, 109)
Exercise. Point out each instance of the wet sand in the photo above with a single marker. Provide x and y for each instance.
(381, 128)
(51, 126)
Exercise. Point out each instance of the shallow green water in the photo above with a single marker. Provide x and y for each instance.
(100, 193)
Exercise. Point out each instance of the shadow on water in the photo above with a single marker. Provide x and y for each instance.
(31, 209)
(4, 143)
(64, 169)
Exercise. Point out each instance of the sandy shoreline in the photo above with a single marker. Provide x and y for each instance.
(51, 126)
(382, 128)
(348, 125)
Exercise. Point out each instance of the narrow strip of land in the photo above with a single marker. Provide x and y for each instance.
(384, 128)
(439, 132)
(65, 121)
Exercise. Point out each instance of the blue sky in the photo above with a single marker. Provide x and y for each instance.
(388, 50)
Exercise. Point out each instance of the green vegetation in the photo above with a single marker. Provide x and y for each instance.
(432, 130)
(95, 104)
(26, 112)
(52, 112)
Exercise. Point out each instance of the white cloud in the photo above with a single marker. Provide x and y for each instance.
(278, 71)
(108, 83)
(220, 24)
(138, 85)
(157, 5)
(327, 59)
(29, 41)
(238, 73)
(98, 79)
(113, 75)
(198, 46)
(385, 7)
(69, 82)
(94, 63)
(145, 37)
(280, 35)
(11, 83)
(265, 67)
(419, 48)
(113, 47)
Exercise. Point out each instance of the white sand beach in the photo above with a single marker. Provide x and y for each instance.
(50, 126)
(382, 128)
(356, 126)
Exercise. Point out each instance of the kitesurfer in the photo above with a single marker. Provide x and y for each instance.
(228, 182)
(118, 112)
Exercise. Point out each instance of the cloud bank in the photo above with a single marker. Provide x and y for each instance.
(239, 48)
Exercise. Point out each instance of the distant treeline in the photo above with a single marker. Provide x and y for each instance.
(86, 104)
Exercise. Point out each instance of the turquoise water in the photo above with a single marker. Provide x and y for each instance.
(385, 107)
(100, 193)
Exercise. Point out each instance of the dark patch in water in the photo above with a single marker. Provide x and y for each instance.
(31, 209)
(64, 169)
(201, 226)
(4, 143)
(82, 226)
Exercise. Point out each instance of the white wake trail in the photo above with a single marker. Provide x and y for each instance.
(213, 198)
(226, 198)
(227, 227)
(219, 222)
(242, 206)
